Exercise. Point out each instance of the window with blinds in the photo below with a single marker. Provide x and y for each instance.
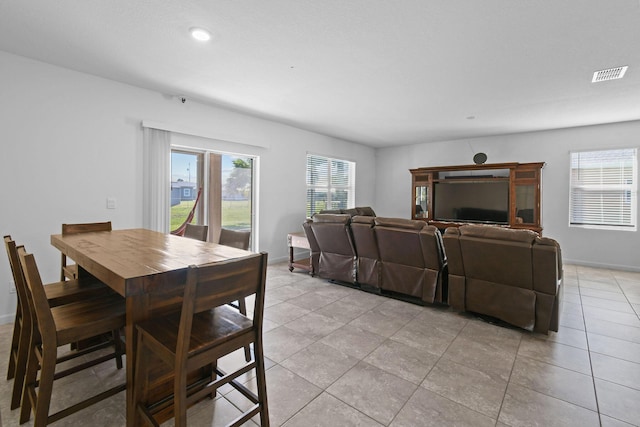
(604, 189)
(330, 184)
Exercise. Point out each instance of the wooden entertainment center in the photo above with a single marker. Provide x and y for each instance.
(506, 194)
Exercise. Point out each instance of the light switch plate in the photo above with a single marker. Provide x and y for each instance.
(111, 203)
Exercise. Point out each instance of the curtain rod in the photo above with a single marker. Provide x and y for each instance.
(194, 132)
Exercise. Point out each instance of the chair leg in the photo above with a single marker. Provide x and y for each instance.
(242, 307)
(30, 377)
(141, 377)
(209, 371)
(21, 363)
(63, 262)
(15, 342)
(180, 399)
(261, 383)
(45, 388)
(119, 348)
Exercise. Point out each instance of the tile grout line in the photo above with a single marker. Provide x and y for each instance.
(586, 334)
(419, 386)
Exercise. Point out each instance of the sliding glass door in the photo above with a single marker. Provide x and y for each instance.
(227, 182)
(237, 192)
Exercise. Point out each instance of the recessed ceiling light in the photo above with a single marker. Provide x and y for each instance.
(200, 34)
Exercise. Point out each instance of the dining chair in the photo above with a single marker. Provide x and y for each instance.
(237, 239)
(205, 330)
(53, 327)
(196, 231)
(71, 271)
(57, 294)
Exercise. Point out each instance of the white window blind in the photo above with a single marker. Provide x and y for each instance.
(604, 189)
(330, 184)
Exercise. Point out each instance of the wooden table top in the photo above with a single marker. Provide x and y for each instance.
(129, 260)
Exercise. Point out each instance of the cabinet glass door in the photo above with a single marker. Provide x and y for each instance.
(526, 204)
(421, 202)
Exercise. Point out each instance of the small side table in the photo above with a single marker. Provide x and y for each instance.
(299, 240)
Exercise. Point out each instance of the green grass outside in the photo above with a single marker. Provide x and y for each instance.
(236, 214)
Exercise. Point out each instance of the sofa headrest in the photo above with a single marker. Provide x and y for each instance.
(333, 218)
(365, 211)
(498, 233)
(359, 219)
(331, 211)
(452, 231)
(410, 224)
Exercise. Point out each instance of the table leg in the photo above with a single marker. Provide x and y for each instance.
(290, 258)
(137, 310)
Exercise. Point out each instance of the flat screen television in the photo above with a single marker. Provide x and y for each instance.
(471, 201)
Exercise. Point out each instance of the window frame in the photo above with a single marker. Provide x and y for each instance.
(628, 190)
(350, 187)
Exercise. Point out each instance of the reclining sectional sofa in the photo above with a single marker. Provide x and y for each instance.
(510, 274)
(385, 255)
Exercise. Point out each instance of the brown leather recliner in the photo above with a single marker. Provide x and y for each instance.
(412, 258)
(368, 261)
(337, 258)
(513, 275)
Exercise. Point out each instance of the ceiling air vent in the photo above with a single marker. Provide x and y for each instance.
(610, 74)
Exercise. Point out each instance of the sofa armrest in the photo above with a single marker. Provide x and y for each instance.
(547, 265)
(451, 240)
(431, 243)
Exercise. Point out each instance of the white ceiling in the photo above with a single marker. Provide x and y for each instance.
(378, 72)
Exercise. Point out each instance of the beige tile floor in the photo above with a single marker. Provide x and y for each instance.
(341, 357)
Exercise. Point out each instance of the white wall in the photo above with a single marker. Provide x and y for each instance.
(70, 140)
(616, 249)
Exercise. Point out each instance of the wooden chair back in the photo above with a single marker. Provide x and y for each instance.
(36, 297)
(21, 325)
(18, 277)
(87, 227)
(196, 231)
(214, 285)
(235, 238)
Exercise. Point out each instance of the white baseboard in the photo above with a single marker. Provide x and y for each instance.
(602, 265)
(7, 318)
(296, 254)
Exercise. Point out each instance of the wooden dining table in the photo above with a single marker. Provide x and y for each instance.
(148, 269)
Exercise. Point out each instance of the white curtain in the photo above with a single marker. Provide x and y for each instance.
(156, 189)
